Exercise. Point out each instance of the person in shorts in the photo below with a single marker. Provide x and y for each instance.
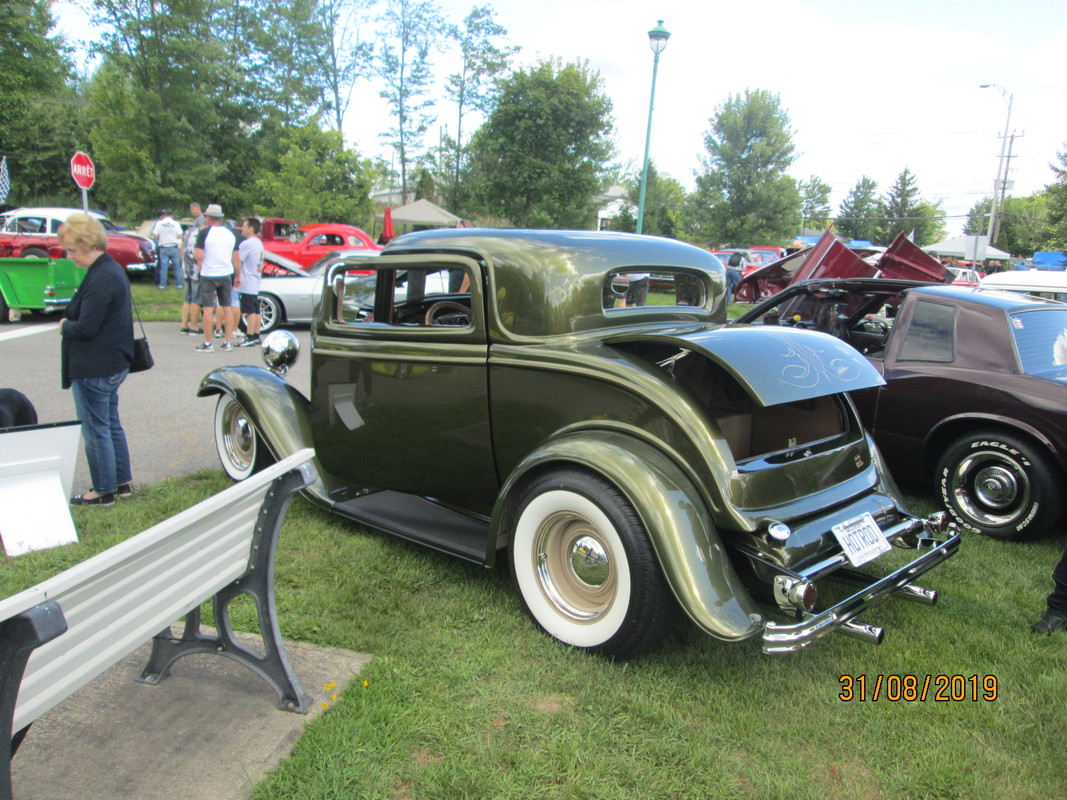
(214, 258)
(248, 264)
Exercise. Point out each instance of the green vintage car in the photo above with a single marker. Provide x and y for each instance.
(572, 402)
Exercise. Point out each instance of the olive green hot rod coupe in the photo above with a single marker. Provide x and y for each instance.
(574, 403)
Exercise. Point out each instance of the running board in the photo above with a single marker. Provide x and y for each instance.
(422, 521)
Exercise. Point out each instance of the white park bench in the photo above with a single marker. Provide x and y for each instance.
(60, 634)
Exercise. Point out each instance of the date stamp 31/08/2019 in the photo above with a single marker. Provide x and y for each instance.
(918, 688)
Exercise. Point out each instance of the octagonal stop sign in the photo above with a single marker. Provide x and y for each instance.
(82, 170)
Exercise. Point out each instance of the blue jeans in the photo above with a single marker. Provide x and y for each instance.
(96, 401)
(168, 256)
(733, 277)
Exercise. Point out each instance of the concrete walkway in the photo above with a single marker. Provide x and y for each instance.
(210, 731)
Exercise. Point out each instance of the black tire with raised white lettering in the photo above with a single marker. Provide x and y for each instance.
(1000, 485)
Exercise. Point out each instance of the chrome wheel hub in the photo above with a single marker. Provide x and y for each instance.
(573, 567)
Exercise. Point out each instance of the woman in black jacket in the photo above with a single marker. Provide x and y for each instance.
(97, 348)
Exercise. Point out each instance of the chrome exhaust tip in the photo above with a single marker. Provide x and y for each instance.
(861, 630)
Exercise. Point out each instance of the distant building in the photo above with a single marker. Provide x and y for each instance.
(611, 203)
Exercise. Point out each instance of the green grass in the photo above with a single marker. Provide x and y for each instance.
(154, 305)
(466, 699)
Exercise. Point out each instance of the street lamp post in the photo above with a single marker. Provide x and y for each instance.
(997, 187)
(657, 40)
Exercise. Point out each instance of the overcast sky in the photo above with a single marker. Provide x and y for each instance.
(870, 87)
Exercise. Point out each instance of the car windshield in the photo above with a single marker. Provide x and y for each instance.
(1041, 339)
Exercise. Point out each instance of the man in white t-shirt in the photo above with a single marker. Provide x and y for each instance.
(248, 263)
(214, 254)
(168, 235)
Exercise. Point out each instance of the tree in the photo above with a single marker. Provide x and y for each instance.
(897, 207)
(346, 57)
(541, 157)
(859, 213)
(815, 203)
(473, 87)
(404, 68)
(284, 61)
(1056, 198)
(903, 209)
(41, 111)
(313, 177)
(978, 218)
(743, 195)
(664, 206)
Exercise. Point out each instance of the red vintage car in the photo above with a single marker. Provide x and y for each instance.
(31, 233)
(314, 241)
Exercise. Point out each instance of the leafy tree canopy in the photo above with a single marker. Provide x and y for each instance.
(541, 157)
(743, 195)
(859, 213)
(313, 177)
(815, 202)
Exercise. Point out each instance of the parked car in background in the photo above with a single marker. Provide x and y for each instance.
(768, 254)
(975, 397)
(831, 258)
(30, 284)
(631, 463)
(31, 232)
(316, 241)
(290, 293)
(1050, 284)
(962, 276)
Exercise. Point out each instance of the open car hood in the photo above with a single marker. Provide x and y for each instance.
(778, 365)
(830, 258)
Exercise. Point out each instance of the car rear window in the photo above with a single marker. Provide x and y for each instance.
(635, 287)
(1040, 339)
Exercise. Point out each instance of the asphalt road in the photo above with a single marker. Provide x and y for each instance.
(170, 430)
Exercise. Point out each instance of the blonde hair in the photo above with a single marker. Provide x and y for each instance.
(81, 230)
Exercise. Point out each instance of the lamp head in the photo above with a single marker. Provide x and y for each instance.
(657, 38)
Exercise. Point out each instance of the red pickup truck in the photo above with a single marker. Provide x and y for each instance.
(308, 243)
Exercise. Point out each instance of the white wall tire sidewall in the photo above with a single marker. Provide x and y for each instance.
(225, 406)
(569, 631)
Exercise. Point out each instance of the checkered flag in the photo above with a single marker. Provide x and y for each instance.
(5, 180)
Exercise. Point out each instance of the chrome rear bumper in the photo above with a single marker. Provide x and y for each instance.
(779, 638)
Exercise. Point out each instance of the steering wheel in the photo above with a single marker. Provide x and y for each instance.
(447, 312)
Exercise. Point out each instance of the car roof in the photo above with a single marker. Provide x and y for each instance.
(1007, 301)
(550, 282)
(1027, 280)
(579, 252)
(57, 212)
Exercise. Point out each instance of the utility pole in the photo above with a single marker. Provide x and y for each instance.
(1009, 98)
(999, 202)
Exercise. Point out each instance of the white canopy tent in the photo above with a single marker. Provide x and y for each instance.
(423, 212)
(971, 248)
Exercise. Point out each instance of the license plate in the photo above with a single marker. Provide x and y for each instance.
(861, 539)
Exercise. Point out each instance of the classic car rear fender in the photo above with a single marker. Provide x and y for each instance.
(279, 412)
(673, 512)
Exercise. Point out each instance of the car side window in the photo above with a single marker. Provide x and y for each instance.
(32, 225)
(931, 334)
(408, 298)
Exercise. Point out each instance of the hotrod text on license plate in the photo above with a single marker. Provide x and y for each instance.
(861, 539)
